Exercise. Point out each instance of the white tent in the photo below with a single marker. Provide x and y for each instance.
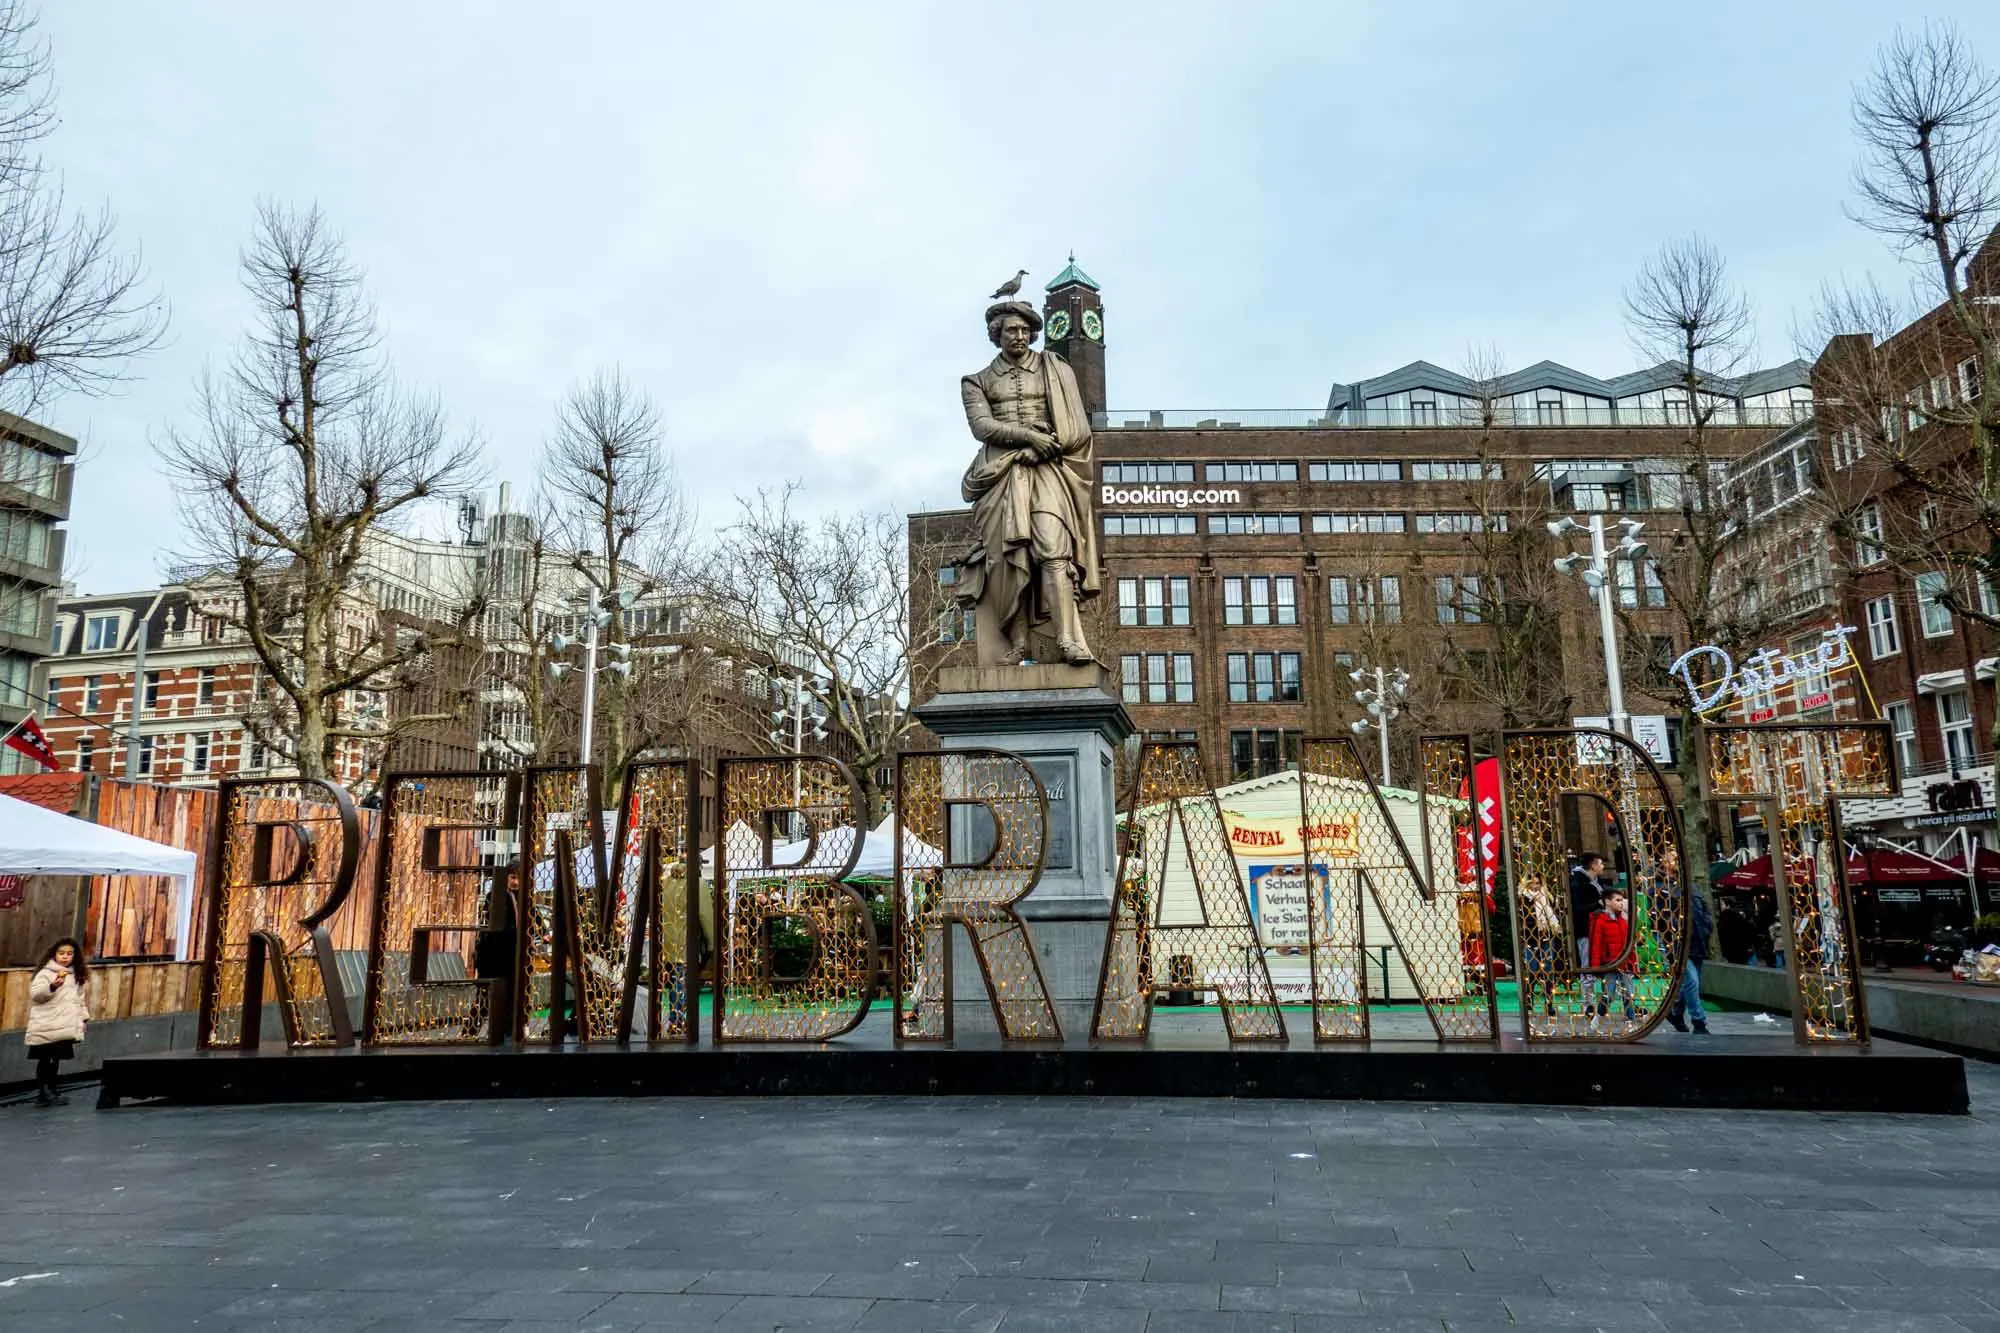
(35, 841)
(878, 850)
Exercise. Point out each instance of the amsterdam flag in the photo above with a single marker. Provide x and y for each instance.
(29, 740)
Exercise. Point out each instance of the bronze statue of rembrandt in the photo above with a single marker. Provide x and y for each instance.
(1034, 558)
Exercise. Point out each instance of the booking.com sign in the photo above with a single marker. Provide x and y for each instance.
(1179, 497)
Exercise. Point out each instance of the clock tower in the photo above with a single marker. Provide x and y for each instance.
(1074, 312)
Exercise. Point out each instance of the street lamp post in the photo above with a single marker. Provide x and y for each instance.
(1595, 571)
(798, 714)
(595, 618)
(1383, 703)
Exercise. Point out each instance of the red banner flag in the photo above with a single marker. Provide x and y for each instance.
(28, 739)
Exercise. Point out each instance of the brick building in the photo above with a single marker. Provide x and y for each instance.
(1894, 551)
(200, 685)
(1252, 559)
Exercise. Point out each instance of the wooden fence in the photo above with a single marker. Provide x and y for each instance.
(135, 916)
(117, 990)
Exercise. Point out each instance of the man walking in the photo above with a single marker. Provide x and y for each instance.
(1586, 894)
(1687, 1007)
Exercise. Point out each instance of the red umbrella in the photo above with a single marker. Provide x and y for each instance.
(1986, 868)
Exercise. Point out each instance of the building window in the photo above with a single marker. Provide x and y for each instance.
(1884, 639)
(259, 756)
(1365, 600)
(152, 690)
(1161, 601)
(1264, 678)
(1251, 472)
(1868, 535)
(1260, 600)
(1141, 474)
(1848, 447)
(54, 696)
(1453, 470)
(1355, 470)
(1458, 599)
(1149, 525)
(145, 756)
(1238, 525)
(1902, 721)
(1954, 711)
(1968, 379)
(92, 686)
(198, 753)
(1639, 583)
(1255, 754)
(1157, 678)
(1931, 613)
(1441, 523)
(86, 755)
(100, 634)
(1343, 524)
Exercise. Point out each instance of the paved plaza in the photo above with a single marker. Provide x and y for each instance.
(1018, 1214)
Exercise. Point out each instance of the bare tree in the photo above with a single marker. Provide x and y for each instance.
(305, 453)
(1496, 663)
(73, 310)
(831, 601)
(1683, 311)
(619, 517)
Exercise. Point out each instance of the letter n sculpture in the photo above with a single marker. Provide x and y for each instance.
(1180, 917)
(1439, 929)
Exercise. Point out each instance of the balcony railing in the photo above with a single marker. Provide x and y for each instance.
(1426, 418)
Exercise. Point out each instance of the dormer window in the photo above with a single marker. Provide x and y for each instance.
(100, 633)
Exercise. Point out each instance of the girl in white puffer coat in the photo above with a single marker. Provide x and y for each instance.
(58, 1015)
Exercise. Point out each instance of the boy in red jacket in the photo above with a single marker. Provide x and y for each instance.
(1610, 944)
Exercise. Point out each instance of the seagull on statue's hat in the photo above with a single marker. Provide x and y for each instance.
(1009, 287)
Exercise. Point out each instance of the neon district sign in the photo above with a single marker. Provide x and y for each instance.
(1761, 673)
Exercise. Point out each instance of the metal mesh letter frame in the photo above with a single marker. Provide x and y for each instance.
(1350, 838)
(971, 834)
(659, 823)
(572, 977)
(1561, 1000)
(1798, 774)
(1200, 926)
(755, 903)
(447, 851)
(281, 862)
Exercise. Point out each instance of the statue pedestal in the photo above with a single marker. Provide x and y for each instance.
(1066, 722)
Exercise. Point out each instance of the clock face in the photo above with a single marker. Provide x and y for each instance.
(1059, 326)
(1093, 327)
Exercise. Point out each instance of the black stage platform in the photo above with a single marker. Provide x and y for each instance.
(1747, 1072)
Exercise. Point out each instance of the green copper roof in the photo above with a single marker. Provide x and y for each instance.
(1072, 274)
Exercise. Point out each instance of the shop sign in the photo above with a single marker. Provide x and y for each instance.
(1176, 497)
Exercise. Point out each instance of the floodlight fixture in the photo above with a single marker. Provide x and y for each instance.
(557, 670)
(1568, 564)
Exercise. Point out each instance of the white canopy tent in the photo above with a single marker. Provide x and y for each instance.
(35, 841)
(878, 850)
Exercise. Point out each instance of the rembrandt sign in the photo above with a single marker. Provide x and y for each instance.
(502, 910)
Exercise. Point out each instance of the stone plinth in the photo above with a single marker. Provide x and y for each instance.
(1066, 722)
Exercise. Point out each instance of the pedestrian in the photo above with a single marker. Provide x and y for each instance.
(1610, 945)
(1687, 1007)
(1586, 895)
(1541, 938)
(58, 1015)
(1776, 934)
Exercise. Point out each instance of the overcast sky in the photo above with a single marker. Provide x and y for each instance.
(783, 220)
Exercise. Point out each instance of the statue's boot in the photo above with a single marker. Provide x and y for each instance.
(1059, 596)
